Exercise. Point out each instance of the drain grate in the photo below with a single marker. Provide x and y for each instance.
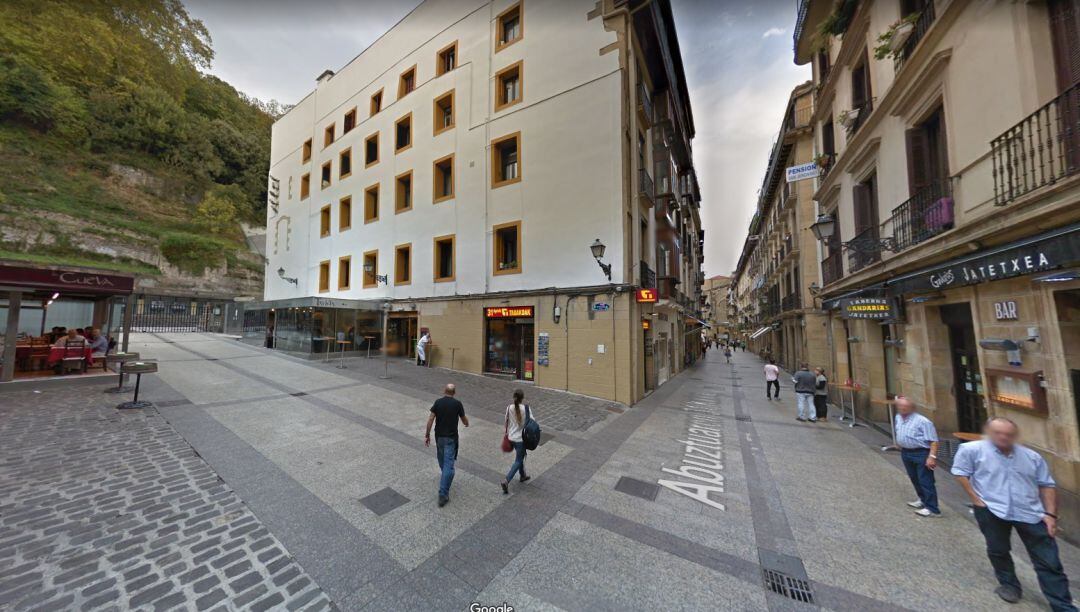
(788, 586)
(743, 417)
(637, 488)
(298, 394)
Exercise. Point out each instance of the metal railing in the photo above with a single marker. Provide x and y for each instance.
(645, 105)
(790, 302)
(648, 276)
(832, 267)
(864, 112)
(865, 249)
(923, 216)
(645, 184)
(922, 24)
(1040, 150)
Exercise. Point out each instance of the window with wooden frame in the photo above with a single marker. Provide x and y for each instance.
(446, 60)
(371, 204)
(324, 276)
(509, 86)
(345, 163)
(444, 259)
(371, 150)
(328, 136)
(507, 251)
(305, 186)
(371, 269)
(442, 175)
(376, 103)
(403, 192)
(443, 113)
(406, 82)
(508, 27)
(403, 264)
(326, 175)
(344, 213)
(344, 272)
(349, 122)
(506, 160)
(403, 133)
(324, 221)
(305, 154)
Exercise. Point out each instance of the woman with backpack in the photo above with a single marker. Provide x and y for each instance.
(517, 416)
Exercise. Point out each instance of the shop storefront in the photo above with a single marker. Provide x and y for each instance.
(509, 338)
(313, 326)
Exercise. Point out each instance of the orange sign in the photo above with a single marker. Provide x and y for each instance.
(646, 296)
(508, 312)
(646, 324)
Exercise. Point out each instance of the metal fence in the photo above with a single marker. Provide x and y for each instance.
(157, 314)
(923, 216)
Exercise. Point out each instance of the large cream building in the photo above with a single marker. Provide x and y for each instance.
(458, 177)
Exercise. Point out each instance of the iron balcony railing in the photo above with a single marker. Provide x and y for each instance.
(1040, 150)
(800, 21)
(864, 111)
(645, 105)
(923, 216)
(922, 24)
(790, 302)
(648, 276)
(865, 249)
(832, 267)
(645, 184)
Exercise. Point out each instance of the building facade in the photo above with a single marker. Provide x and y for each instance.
(716, 292)
(947, 136)
(459, 176)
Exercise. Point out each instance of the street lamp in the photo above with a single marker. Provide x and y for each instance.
(825, 227)
(597, 249)
(281, 274)
(369, 269)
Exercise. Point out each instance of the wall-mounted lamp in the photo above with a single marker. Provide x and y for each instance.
(1059, 277)
(854, 340)
(825, 226)
(1011, 348)
(814, 288)
(597, 249)
(556, 312)
(287, 279)
(922, 299)
(369, 269)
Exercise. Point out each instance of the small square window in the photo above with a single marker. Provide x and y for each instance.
(444, 259)
(507, 249)
(345, 163)
(403, 264)
(305, 155)
(407, 82)
(328, 136)
(349, 123)
(443, 179)
(444, 113)
(305, 186)
(371, 204)
(344, 272)
(508, 27)
(344, 214)
(446, 60)
(376, 103)
(327, 174)
(403, 133)
(509, 87)
(324, 221)
(324, 276)
(371, 269)
(403, 192)
(506, 160)
(371, 150)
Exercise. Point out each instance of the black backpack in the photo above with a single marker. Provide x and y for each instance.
(530, 431)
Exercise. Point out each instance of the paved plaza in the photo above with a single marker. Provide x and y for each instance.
(265, 481)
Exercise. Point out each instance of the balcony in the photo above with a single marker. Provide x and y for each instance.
(861, 113)
(926, 19)
(923, 216)
(645, 185)
(665, 213)
(644, 106)
(648, 276)
(665, 287)
(791, 302)
(865, 249)
(1041, 150)
(832, 267)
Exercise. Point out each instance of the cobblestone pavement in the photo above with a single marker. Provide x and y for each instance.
(101, 508)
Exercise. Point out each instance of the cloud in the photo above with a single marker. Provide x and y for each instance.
(773, 32)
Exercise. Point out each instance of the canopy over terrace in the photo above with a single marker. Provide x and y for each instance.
(34, 288)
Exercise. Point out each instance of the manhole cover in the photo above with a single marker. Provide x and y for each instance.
(637, 488)
(384, 500)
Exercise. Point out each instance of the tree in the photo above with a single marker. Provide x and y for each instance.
(219, 207)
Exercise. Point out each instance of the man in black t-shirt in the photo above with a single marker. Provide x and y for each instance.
(445, 413)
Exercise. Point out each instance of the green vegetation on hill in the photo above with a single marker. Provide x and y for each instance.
(106, 119)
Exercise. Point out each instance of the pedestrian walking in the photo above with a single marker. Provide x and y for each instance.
(727, 353)
(517, 415)
(1011, 488)
(918, 442)
(421, 348)
(821, 394)
(445, 413)
(805, 382)
(772, 379)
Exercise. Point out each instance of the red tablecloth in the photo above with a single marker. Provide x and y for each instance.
(57, 353)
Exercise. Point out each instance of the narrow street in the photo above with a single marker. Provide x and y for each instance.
(309, 487)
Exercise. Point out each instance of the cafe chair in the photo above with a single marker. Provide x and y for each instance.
(74, 357)
(39, 353)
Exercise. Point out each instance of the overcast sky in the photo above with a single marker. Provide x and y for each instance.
(737, 55)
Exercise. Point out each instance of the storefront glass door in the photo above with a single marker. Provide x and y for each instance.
(967, 385)
(510, 348)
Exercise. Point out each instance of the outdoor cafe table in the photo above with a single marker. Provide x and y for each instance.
(121, 359)
(138, 368)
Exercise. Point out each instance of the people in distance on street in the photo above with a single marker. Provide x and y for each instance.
(1011, 488)
(805, 381)
(71, 337)
(918, 442)
(445, 413)
(821, 394)
(727, 353)
(772, 379)
(516, 417)
(421, 348)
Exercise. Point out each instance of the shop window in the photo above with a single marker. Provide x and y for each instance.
(376, 103)
(324, 221)
(305, 155)
(305, 186)
(328, 136)
(444, 259)
(509, 86)
(508, 27)
(345, 163)
(407, 82)
(326, 175)
(446, 60)
(371, 204)
(443, 178)
(371, 269)
(344, 214)
(344, 272)
(371, 150)
(403, 264)
(444, 113)
(324, 276)
(507, 249)
(506, 160)
(403, 133)
(403, 192)
(349, 122)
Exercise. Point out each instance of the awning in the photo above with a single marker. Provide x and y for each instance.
(703, 323)
(760, 332)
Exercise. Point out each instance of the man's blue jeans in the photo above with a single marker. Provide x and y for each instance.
(922, 477)
(446, 450)
(519, 461)
(1041, 548)
(806, 406)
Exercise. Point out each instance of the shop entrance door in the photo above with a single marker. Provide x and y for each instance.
(510, 348)
(401, 334)
(967, 379)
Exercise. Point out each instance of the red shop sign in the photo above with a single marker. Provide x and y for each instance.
(508, 312)
(646, 296)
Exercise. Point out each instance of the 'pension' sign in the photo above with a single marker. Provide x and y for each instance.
(803, 171)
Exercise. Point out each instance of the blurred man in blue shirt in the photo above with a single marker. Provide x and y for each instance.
(1011, 488)
(918, 442)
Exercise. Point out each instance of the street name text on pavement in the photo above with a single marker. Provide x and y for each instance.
(700, 472)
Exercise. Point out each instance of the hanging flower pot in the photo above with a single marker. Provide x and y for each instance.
(900, 36)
